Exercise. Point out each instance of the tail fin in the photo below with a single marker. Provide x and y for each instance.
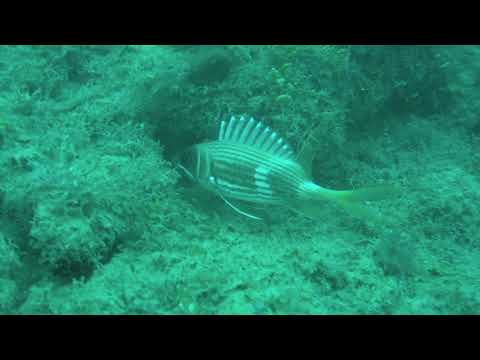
(375, 193)
(350, 200)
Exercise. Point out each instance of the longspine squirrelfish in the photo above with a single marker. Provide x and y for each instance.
(251, 163)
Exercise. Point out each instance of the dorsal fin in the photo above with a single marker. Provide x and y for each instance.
(253, 133)
(307, 152)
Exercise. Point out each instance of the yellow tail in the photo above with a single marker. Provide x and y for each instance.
(364, 194)
(350, 200)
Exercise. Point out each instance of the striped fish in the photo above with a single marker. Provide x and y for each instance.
(251, 163)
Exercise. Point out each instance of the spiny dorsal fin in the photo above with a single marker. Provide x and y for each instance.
(253, 133)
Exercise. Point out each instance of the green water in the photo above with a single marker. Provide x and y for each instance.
(95, 219)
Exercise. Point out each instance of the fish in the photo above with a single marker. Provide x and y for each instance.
(250, 163)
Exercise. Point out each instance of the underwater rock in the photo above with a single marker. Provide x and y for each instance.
(210, 66)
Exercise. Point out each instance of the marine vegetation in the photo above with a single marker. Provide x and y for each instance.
(98, 217)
